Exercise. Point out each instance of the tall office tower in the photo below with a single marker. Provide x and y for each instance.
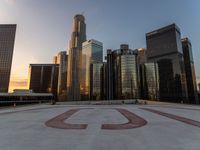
(149, 81)
(74, 58)
(125, 73)
(43, 78)
(164, 47)
(55, 60)
(142, 57)
(96, 81)
(62, 75)
(190, 71)
(7, 40)
(104, 81)
(109, 75)
(92, 51)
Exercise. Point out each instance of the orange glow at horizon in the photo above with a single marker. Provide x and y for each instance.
(17, 83)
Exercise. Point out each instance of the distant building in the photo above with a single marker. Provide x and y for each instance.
(55, 58)
(164, 47)
(142, 57)
(104, 81)
(43, 78)
(92, 52)
(74, 58)
(109, 75)
(190, 71)
(7, 40)
(123, 73)
(62, 59)
(96, 81)
(149, 81)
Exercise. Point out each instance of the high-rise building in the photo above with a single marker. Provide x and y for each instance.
(62, 74)
(96, 81)
(55, 60)
(164, 47)
(190, 71)
(142, 57)
(109, 75)
(124, 70)
(92, 51)
(104, 81)
(43, 78)
(149, 81)
(7, 40)
(74, 58)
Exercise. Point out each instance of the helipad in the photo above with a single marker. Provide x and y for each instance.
(100, 127)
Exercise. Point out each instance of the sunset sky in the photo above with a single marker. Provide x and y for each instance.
(44, 26)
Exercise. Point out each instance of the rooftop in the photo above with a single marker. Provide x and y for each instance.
(101, 127)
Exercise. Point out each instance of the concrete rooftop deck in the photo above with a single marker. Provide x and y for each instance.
(100, 127)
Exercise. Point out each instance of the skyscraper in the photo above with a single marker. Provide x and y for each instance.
(62, 74)
(190, 71)
(109, 75)
(74, 58)
(55, 60)
(124, 69)
(142, 57)
(92, 52)
(164, 47)
(149, 81)
(7, 39)
(96, 81)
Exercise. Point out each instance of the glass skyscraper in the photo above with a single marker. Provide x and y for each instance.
(62, 75)
(92, 52)
(164, 47)
(7, 39)
(190, 71)
(96, 81)
(124, 70)
(109, 75)
(74, 58)
(149, 81)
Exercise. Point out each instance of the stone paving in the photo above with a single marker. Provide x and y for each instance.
(100, 127)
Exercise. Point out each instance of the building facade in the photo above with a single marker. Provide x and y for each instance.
(164, 47)
(7, 40)
(74, 58)
(96, 81)
(92, 52)
(124, 70)
(190, 71)
(149, 81)
(43, 78)
(62, 74)
(141, 55)
(109, 75)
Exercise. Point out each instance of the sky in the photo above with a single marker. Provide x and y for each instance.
(44, 26)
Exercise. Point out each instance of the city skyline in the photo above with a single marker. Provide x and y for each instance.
(35, 40)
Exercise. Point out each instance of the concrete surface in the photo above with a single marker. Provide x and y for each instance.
(25, 128)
